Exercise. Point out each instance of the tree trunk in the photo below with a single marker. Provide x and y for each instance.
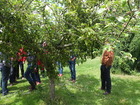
(52, 88)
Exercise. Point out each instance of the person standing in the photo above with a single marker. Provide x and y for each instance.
(13, 71)
(1, 72)
(72, 63)
(29, 74)
(60, 69)
(21, 60)
(5, 70)
(106, 64)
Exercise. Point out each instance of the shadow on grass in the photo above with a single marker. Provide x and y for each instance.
(25, 97)
(125, 92)
(84, 92)
(67, 93)
(80, 93)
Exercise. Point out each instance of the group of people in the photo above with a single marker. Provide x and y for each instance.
(9, 70)
(72, 63)
(10, 66)
(106, 64)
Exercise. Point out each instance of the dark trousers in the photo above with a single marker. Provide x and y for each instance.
(12, 74)
(29, 74)
(105, 78)
(21, 67)
(0, 77)
(5, 76)
(37, 76)
(72, 70)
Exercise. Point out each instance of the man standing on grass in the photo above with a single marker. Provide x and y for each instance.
(107, 60)
(72, 63)
(21, 61)
(0, 71)
(29, 74)
(5, 71)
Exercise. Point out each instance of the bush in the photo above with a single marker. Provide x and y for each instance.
(123, 63)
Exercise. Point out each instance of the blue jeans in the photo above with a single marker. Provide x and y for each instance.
(60, 68)
(72, 70)
(29, 74)
(37, 76)
(105, 78)
(5, 76)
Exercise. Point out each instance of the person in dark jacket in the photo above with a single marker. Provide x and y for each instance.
(13, 70)
(29, 74)
(5, 71)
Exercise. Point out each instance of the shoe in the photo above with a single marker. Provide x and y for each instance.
(11, 84)
(60, 75)
(73, 81)
(101, 89)
(37, 83)
(32, 87)
(106, 93)
(16, 82)
(4, 93)
(70, 79)
(23, 78)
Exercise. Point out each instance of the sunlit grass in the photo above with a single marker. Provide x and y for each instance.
(125, 89)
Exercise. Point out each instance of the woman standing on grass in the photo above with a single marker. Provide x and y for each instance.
(5, 71)
(107, 60)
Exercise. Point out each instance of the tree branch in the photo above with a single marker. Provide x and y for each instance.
(126, 25)
(128, 2)
(64, 46)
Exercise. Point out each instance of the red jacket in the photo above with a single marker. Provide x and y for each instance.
(21, 55)
(40, 64)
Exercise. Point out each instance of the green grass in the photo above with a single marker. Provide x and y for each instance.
(125, 89)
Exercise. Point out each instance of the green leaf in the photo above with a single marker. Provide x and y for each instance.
(101, 10)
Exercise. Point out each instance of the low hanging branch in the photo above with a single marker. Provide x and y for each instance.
(126, 25)
(132, 15)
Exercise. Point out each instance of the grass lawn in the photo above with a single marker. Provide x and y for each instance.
(125, 89)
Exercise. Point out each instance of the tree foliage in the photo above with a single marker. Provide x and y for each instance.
(80, 26)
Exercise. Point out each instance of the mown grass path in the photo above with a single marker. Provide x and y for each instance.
(125, 89)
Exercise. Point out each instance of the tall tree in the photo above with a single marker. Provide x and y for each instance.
(81, 26)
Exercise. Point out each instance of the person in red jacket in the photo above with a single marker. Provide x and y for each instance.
(106, 63)
(21, 61)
